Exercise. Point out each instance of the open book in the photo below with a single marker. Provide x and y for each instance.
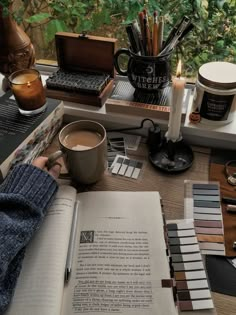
(119, 261)
(119, 258)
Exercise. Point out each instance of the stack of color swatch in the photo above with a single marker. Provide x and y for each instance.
(202, 204)
(187, 266)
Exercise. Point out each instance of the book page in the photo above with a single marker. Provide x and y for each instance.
(40, 285)
(120, 257)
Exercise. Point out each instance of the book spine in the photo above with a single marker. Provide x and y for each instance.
(139, 109)
(35, 143)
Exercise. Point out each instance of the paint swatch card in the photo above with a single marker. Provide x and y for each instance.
(187, 267)
(115, 146)
(131, 141)
(124, 166)
(202, 204)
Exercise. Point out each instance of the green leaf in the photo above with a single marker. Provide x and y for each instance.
(204, 56)
(220, 4)
(37, 18)
(219, 44)
(85, 25)
(204, 4)
(53, 27)
(57, 7)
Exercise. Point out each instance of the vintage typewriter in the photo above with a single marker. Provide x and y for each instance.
(78, 81)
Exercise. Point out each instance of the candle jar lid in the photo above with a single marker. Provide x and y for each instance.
(218, 75)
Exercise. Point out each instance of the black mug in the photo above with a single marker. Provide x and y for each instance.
(145, 73)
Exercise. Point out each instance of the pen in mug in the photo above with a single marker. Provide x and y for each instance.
(187, 30)
(137, 30)
(133, 39)
(178, 34)
(173, 31)
(71, 246)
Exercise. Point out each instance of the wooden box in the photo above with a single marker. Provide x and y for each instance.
(88, 54)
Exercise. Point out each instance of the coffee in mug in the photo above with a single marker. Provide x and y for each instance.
(79, 140)
(84, 149)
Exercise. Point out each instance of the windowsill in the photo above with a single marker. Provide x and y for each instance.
(202, 134)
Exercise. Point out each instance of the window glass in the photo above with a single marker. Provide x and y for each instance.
(212, 38)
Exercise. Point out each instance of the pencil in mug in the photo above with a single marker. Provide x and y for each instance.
(161, 26)
(155, 47)
(147, 34)
(141, 23)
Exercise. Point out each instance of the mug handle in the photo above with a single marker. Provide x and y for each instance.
(51, 161)
(119, 52)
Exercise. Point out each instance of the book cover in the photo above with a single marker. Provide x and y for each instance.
(22, 138)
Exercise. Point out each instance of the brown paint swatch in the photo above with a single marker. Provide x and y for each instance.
(210, 238)
(181, 285)
(180, 275)
(209, 231)
(210, 224)
(184, 295)
(185, 305)
(167, 283)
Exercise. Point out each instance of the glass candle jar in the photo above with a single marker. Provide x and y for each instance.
(27, 88)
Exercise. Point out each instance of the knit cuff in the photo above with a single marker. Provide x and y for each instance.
(32, 183)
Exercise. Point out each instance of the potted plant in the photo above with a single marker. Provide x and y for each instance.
(17, 51)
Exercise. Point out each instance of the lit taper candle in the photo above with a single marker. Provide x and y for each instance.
(177, 96)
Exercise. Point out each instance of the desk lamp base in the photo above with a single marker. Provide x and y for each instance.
(172, 157)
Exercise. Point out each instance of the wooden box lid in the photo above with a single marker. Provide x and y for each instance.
(85, 52)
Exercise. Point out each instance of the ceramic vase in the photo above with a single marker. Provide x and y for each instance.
(17, 51)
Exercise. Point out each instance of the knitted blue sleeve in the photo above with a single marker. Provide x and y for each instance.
(25, 196)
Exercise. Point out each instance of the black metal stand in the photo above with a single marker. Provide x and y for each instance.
(172, 157)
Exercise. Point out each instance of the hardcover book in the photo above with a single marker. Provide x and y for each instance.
(22, 138)
(119, 264)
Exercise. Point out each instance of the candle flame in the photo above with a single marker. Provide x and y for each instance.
(28, 84)
(179, 69)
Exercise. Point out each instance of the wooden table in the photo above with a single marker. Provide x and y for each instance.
(171, 188)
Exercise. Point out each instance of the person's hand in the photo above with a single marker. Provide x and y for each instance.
(41, 162)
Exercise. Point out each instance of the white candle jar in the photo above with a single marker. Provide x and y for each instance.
(215, 92)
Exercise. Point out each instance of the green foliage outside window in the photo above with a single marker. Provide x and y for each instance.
(213, 36)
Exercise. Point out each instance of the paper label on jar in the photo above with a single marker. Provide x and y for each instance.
(216, 107)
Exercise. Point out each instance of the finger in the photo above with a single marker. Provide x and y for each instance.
(40, 162)
(55, 170)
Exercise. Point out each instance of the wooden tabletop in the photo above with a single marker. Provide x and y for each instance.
(171, 189)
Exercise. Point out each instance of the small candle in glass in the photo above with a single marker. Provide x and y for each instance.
(27, 88)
